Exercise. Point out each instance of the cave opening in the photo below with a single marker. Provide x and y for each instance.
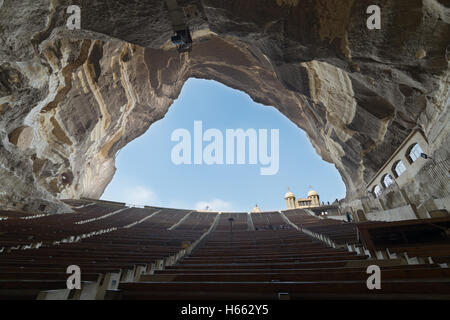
(148, 175)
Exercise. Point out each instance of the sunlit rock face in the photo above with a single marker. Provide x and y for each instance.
(71, 99)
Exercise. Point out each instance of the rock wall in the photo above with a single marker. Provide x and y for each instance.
(397, 214)
(71, 99)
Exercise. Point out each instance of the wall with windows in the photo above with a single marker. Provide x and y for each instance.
(408, 186)
(402, 166)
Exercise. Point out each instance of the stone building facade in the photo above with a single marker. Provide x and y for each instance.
(312, 200)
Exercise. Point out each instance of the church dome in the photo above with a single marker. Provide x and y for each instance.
(312, 193)
(289, 195)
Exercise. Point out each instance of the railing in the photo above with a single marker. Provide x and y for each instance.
(135, 206)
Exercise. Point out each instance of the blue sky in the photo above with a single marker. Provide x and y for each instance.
(146, 174)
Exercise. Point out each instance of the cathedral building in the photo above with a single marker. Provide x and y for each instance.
(312, 201)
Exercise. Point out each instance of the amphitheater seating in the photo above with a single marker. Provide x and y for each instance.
(240, 222)
(4, 215)
(46, 229)
(249, 266)
(121, 251)
(304, 220)
(339, 233)
(197, 221)
(268, 220)
(161, 253)
(264, 263)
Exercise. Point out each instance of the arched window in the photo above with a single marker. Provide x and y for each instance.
(399, 168)
(377, 191)
(414, 152)
(388, 180)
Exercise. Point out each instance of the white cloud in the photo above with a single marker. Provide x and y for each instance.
(214, 205)
(139, 195)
